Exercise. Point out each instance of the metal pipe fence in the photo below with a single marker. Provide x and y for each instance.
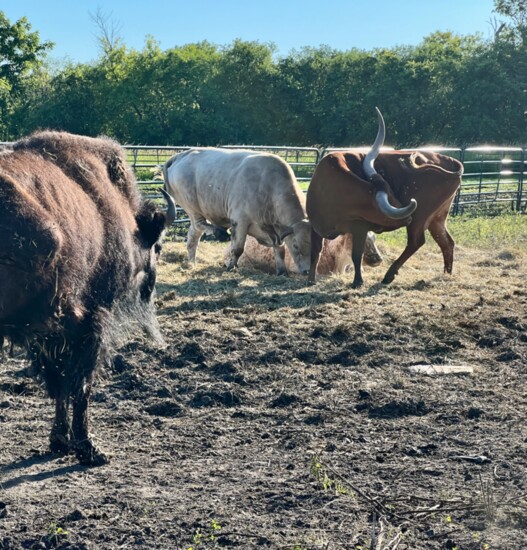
(146, 162)
(493, 180)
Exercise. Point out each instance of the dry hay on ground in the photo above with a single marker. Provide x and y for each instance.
(285, 416)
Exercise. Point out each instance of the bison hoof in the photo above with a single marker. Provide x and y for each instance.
(356, 284)
(91, 456)
(59, 444)
(388, 279)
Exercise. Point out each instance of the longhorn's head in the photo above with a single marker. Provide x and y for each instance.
(381, 194)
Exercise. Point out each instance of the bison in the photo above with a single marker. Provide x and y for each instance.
(252, 193)
(351, 192)
(78, 253)
(335, 256)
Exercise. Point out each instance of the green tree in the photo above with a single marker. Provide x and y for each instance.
(21, 53)
(516, 12)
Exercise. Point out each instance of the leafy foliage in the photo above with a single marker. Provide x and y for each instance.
(448, 89)
(21, 53)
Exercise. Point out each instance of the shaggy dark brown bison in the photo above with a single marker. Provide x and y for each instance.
(78, 253)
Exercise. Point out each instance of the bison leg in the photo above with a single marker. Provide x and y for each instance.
(445, 241)
(279, 256)
(85, 450)
(83, 361)
(316, 248)
(357, 251)
(415, 242)
(60, 436)
(48, 359)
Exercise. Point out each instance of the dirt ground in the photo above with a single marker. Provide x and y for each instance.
(284, 416)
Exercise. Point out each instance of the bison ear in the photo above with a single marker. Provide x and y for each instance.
(151, 223)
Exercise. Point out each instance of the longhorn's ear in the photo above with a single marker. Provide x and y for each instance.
(151, 223)
(287, 231)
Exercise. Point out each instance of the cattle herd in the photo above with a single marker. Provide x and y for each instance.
(79, 244)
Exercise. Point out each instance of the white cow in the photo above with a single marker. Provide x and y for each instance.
(252, 193)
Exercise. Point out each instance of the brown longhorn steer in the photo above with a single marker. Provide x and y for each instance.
(351, 192)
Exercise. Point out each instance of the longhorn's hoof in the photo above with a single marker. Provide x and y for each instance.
(88, 455)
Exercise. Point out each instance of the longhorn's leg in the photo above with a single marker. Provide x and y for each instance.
(357, 251)
(445, 241)
(316, 249)
(279, 256)
(238, 237)
(415, 242)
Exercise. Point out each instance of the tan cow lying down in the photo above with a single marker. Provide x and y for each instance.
(335, 257)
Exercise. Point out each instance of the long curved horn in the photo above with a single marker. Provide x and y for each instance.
(369, 159)
(171, 208)
(391, 211)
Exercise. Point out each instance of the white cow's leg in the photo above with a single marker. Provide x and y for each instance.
(238, 237)
(279, 256)
(193, 237)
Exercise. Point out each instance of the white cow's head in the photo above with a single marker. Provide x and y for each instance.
(297, 238)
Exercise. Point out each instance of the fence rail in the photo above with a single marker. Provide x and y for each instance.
(493, 176)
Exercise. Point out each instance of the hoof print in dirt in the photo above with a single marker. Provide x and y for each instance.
(211, 398)
(394, 409)
(228, 373)
(165, 408)
(314, 420)
(120, 364)
(284, 400)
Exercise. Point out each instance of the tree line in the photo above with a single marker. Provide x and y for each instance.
(450, 89)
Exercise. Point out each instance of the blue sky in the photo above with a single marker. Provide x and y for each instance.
(289, 24)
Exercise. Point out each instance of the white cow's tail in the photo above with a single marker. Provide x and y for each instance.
(159, 173)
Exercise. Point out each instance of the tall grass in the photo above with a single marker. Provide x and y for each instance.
(499, 232)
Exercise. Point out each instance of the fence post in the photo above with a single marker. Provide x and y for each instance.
(455, 210)
(520, 182)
